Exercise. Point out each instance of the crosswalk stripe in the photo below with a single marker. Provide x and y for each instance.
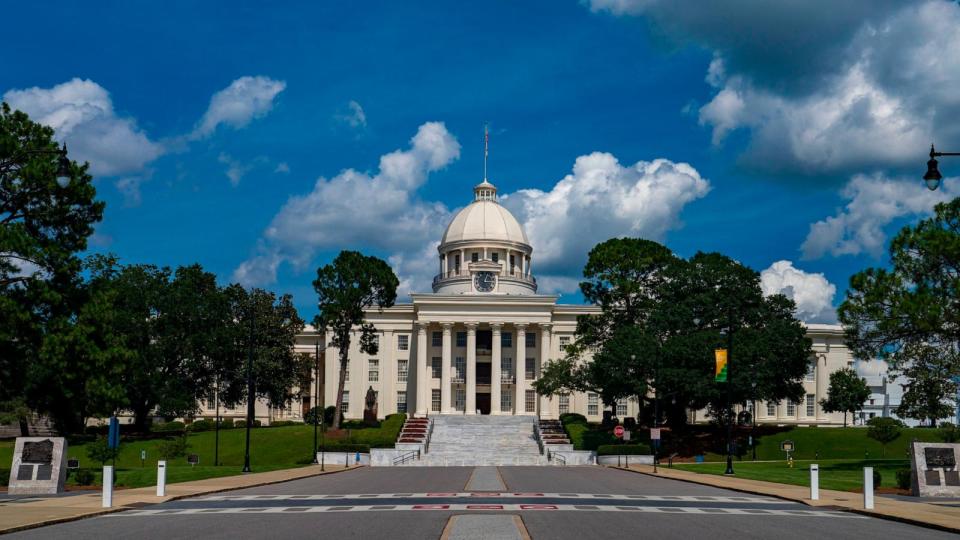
(495, 495)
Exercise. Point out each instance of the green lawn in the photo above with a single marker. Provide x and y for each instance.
(270, 449)
(842, 475)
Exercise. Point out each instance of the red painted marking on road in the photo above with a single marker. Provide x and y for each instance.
(481, 494)
(441, 494)
(528, 494)
(538, 507)
(431, 506)
(484, 507)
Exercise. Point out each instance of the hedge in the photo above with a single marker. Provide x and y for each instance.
(346, 447)
(168, 427)
(624, 450)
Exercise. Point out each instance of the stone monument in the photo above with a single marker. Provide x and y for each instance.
(39, 466)
(933, 469)
(370, 411)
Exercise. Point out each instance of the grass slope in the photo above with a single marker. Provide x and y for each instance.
(842, 475)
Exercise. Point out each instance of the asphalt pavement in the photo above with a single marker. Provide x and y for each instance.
(419, 502)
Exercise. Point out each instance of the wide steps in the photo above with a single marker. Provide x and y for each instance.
(482, 441)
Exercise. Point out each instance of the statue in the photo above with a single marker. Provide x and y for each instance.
(370, 411)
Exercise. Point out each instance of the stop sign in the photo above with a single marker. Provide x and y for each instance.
(618, 431)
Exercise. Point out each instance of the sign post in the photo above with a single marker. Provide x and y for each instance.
(868, 488)
(107, 496)
(814, 482)
(618, 432)
(143, 457)
(161, 478)
(655, 439)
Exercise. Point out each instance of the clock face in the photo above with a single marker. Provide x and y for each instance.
(484, 281)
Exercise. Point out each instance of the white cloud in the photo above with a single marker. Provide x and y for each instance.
(129, 187)
(81, 112)
(812, 293)
(868, 86)
(874, 202)
(235, 169)
(602, 199)
(355, 117)
(238, 104)
(282, 167)
(378, 211)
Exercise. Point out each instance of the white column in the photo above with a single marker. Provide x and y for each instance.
(423, 387)
(520, 362)
(821, 376)
(495, 383)
(546, 404)
(471, 368)
(445, 370)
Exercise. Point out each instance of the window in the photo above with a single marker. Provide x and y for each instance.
(403, 342)
(513, 264)
(436, 367)
(474, 257)
(564, 403)
(791, 408)
(593, 407)
(461, 339)
(622, 408)
(401, 401)
(403, 370)
(771, 408)
(456, 264)
(811, 371)
(461, 401)
(506, 340)
(531, 339)
(437, 339)
(564, 341)
(506, 401)
(345, 404)
(811, 405)
(373, 370)
(496, 256)
(531, 401)
(506, 369)
(531, 368)
(435, 400)
(460, 369)
(871, 402)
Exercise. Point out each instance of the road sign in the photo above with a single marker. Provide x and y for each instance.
(193, 459)
(73, 463)
(618, 431)
(655, 434)
(786, 446)
(626, 435)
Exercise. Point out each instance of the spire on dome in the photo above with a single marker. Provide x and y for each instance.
(485, 191)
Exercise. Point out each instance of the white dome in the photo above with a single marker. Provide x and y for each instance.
(484, 220)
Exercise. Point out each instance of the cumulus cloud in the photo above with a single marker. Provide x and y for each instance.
(353, 208)
(354, 117)
(812, 293)
(601, 199)
(874, 202)
(82, 115)
(237, 105)
(821, 86)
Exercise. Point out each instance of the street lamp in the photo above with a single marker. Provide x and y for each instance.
(729, 409)
(63, 162)
(250, 396)
(933, 176)
(316, 397)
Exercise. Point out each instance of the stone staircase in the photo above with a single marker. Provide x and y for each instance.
(482, 440)
(40, 426)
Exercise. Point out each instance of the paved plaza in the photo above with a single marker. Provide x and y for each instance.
(459, 502)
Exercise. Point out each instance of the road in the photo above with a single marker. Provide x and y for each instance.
(418, 502)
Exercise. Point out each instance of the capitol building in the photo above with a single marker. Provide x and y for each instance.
(478, 341)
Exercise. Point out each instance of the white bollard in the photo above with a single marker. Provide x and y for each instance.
(161, 478)
(814, 482)
(868, 488)
(107, 486)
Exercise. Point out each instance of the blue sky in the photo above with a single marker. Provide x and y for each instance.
(202, 120)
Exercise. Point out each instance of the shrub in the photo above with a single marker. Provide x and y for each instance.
(903, 478)
(83, 477)
(949, 433)
(168, 427)
(243, 423)
(283, 423)
(328, 414)
(312, 416)
(100, 451)
(573, 418)
(171, 449)
(203, 425)
(630, 423)
(884, 430)
(345, 447)
(877, 478)
(4, 477)
(226, 423)
(355, 424)
(624, 450)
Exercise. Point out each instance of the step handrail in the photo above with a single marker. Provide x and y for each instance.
(406, 456)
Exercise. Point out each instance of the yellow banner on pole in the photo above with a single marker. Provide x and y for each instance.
(721, 358)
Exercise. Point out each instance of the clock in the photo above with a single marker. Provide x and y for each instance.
(484, 281)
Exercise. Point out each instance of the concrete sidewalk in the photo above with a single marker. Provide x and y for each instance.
(918, 513)
(15, 515)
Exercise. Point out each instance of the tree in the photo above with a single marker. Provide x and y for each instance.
(931, 373)
(846, 393)
(100, 451)
(884, 430)
(44, 223)
(914, 303)
(347, 287)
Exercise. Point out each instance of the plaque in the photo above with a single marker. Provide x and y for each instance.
(40, 466)
(38, 452)
(939, 457)
(933, 469)
(951, 478)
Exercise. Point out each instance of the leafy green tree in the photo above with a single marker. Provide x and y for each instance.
(846, 393)
(949, 433)
(914, 302)
(100, 451)
(44, 223)
(884, 430)
(931, 373)
(347, 287)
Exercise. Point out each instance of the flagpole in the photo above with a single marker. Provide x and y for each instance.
(486, 151)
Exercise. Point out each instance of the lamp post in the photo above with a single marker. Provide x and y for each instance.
(729, 409)
(63, 162)
(250, 396)
(933, 176)
(316, 396)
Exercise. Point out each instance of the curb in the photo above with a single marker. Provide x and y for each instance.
(864, 512)
(105, 511)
